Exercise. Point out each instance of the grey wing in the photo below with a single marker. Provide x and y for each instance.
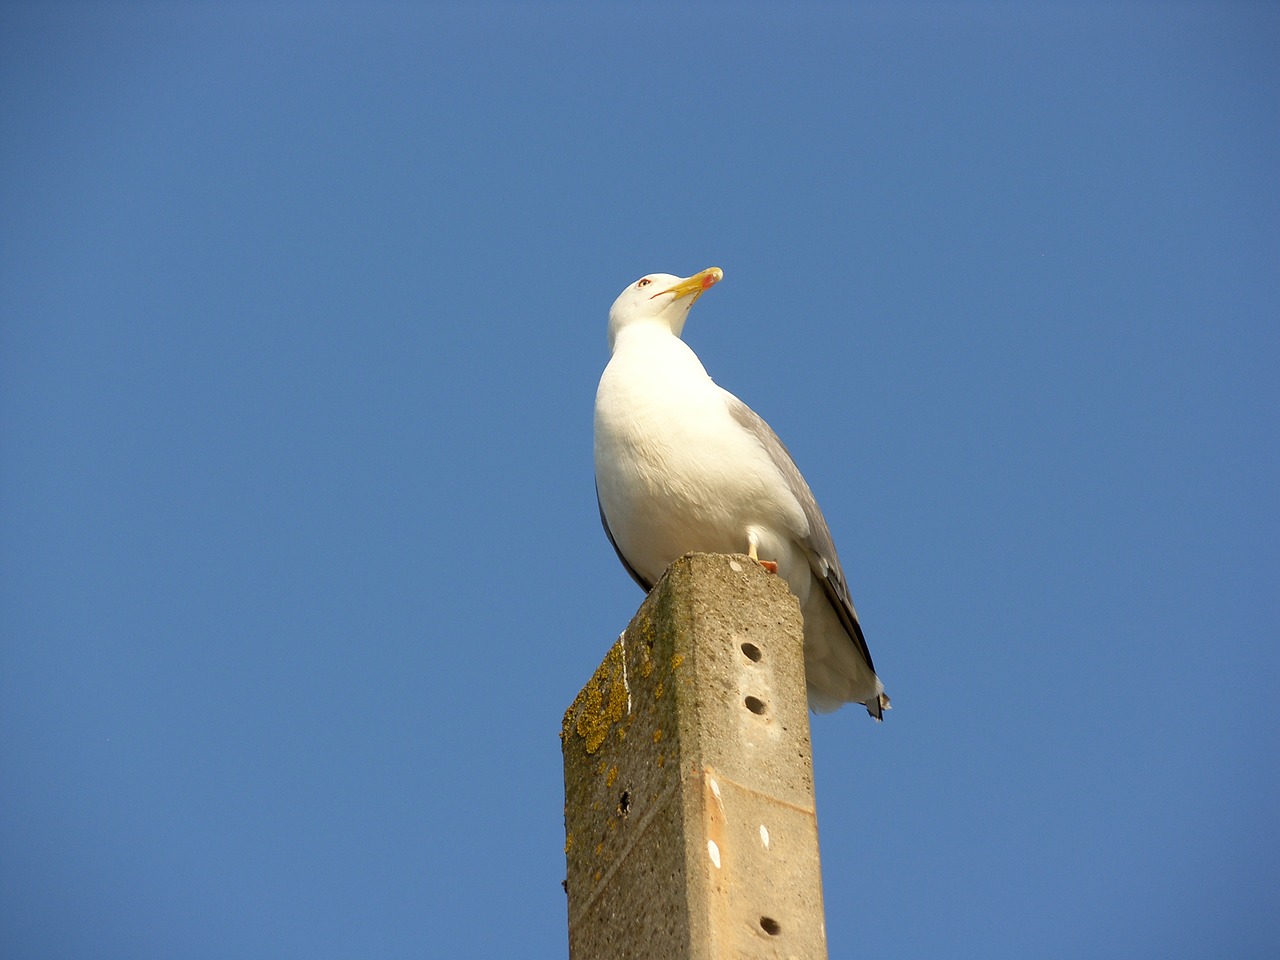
(604, 522)
(818, 544)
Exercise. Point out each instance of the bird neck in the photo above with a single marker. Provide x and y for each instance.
(655, 350)
(655, 333)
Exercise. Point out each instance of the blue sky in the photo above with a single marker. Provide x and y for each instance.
(302, 307)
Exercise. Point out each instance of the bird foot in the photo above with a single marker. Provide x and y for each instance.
(770, 565)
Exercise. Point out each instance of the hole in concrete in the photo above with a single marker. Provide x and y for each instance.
(754, 704)
(752, 652)
(770, 926)
(624, 803)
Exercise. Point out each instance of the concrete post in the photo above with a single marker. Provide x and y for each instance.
(690, 828)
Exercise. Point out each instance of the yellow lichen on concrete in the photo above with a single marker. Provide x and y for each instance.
(600, 704)
(613, 775)
(568, 842)
(657, 736)
(676, 660)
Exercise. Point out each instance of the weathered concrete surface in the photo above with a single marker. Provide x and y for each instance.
(689, 815)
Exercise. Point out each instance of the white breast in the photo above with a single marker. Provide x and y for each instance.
(674, 470)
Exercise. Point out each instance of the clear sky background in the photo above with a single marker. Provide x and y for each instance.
(303, 308)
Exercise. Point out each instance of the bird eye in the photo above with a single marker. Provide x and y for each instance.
(644, 283)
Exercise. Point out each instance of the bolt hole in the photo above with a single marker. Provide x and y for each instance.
(770, 926)
(755, 705)
(752, 652)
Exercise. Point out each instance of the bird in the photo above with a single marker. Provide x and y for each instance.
(682, 465)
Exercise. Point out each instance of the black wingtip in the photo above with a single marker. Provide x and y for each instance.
(876, 706)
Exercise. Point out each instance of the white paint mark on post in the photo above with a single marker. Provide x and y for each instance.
(622, 640)
(715, 853)
(764, 836)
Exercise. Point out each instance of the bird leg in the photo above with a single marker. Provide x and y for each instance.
(770, 565)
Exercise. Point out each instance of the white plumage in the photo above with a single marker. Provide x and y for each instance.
(683, 465)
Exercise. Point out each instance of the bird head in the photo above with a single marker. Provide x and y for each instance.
(660, 298)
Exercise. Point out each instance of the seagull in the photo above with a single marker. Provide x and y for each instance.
(683, 465)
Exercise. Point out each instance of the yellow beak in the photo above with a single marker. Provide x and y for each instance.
(695, 286)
